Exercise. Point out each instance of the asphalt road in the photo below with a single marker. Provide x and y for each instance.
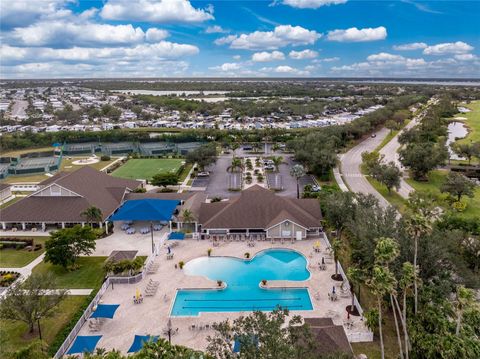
(350, 167)
(391, 155)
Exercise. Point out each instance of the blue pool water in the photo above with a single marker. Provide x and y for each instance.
(243, 278)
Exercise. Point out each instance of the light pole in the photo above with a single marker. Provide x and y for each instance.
(169, 331)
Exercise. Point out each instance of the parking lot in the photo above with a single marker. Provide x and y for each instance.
(217, 183)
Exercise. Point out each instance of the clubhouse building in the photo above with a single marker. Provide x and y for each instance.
(256, 213)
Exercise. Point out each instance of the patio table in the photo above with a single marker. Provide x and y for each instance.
(131, 231)
(157, 227)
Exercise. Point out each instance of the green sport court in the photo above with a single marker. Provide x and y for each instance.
(147, 168)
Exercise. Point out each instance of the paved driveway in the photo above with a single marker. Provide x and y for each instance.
(219, 178)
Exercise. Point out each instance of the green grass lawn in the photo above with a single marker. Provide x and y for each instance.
(185, 171)
(393, 197)
(68, 166)
(472, 122)
(436, 179)
(89, 275)
(13, 258)
(147, 168)
(15, 333)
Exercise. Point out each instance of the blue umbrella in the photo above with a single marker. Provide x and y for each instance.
(105, 311)
(140, 340)
(84, 344)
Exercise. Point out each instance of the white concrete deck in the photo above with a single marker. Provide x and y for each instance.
(152, 315)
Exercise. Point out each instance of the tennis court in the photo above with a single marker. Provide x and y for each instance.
(147, 168)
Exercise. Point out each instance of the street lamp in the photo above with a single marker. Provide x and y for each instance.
(169, 331)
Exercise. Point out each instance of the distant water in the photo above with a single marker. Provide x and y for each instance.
(421, 82)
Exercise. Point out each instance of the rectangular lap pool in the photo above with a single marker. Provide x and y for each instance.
(243, 278)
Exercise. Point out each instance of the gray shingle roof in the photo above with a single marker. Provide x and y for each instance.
(258, 207)
(94, 187)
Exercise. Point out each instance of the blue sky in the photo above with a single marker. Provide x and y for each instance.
(273, 38)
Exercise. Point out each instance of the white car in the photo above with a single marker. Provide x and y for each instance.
(203, 174)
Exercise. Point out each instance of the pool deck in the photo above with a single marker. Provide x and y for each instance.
(152, 315)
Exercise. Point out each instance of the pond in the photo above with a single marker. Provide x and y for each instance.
(456, 130)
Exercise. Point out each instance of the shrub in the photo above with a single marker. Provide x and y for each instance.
(219, 283)
(209, 252)
(181, 264)
(216, 199)
(247, 255)
(105, 158)
(264, 281)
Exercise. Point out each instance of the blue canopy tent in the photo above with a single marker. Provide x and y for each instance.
(148, 209)
(84, 344)
(176, 236)
(105, 311)
(139, 340)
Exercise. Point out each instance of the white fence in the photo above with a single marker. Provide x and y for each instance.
(86, 314)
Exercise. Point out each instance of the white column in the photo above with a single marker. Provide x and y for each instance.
(63, 225)
(170, 225)
(100, 224)
(106, 227)
(24, 227)
(83, 224)
(196, 227)
(4, 226)
(43, 226)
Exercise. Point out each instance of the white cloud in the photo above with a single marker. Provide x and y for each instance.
(301, 55)
(465, 57)
(226, 67)
(358, 35)
(312, 4)
(236, 57)
(458, 47)
(282, 35)
(216, 29)
(162, 50)
(265, 56)
(155, 35)
(158, 11)
(411, 46)
(24, 12)
(383, 56)
(225, 40)
(69, 33)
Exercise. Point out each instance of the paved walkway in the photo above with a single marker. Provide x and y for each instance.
(27, 270)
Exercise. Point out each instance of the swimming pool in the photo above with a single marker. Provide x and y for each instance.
(243, 278)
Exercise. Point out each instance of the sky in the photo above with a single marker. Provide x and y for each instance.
(271, 38)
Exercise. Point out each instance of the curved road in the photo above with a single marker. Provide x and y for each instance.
(350, 166)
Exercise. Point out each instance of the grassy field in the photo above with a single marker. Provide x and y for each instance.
(436, 179)
(89, 275)
(15, 334)
(13, 258)
(147, 168)
(393, 197)
(472, 122)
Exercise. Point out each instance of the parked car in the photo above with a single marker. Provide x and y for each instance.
(316, 188)
(203, 174)
(374, 135)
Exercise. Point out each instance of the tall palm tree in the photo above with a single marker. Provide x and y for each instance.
(336, 246)
(236, 164)
(381, 283)
(187, 216)
(92, 214)
(277, 161)
(406, 282)
(418, 226)
(234, 147)
(464, 297)
(297, 171)
(355, 276)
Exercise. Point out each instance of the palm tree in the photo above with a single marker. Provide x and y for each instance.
(386, 250)
(92, 214)
(355, 276)
(464, 297)
(187, 216)
(277, 161)
(336, 246)
(381, 283)
(234, 147)
(236, 164)
(406, 282)
(297, 171)
(418, 226)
